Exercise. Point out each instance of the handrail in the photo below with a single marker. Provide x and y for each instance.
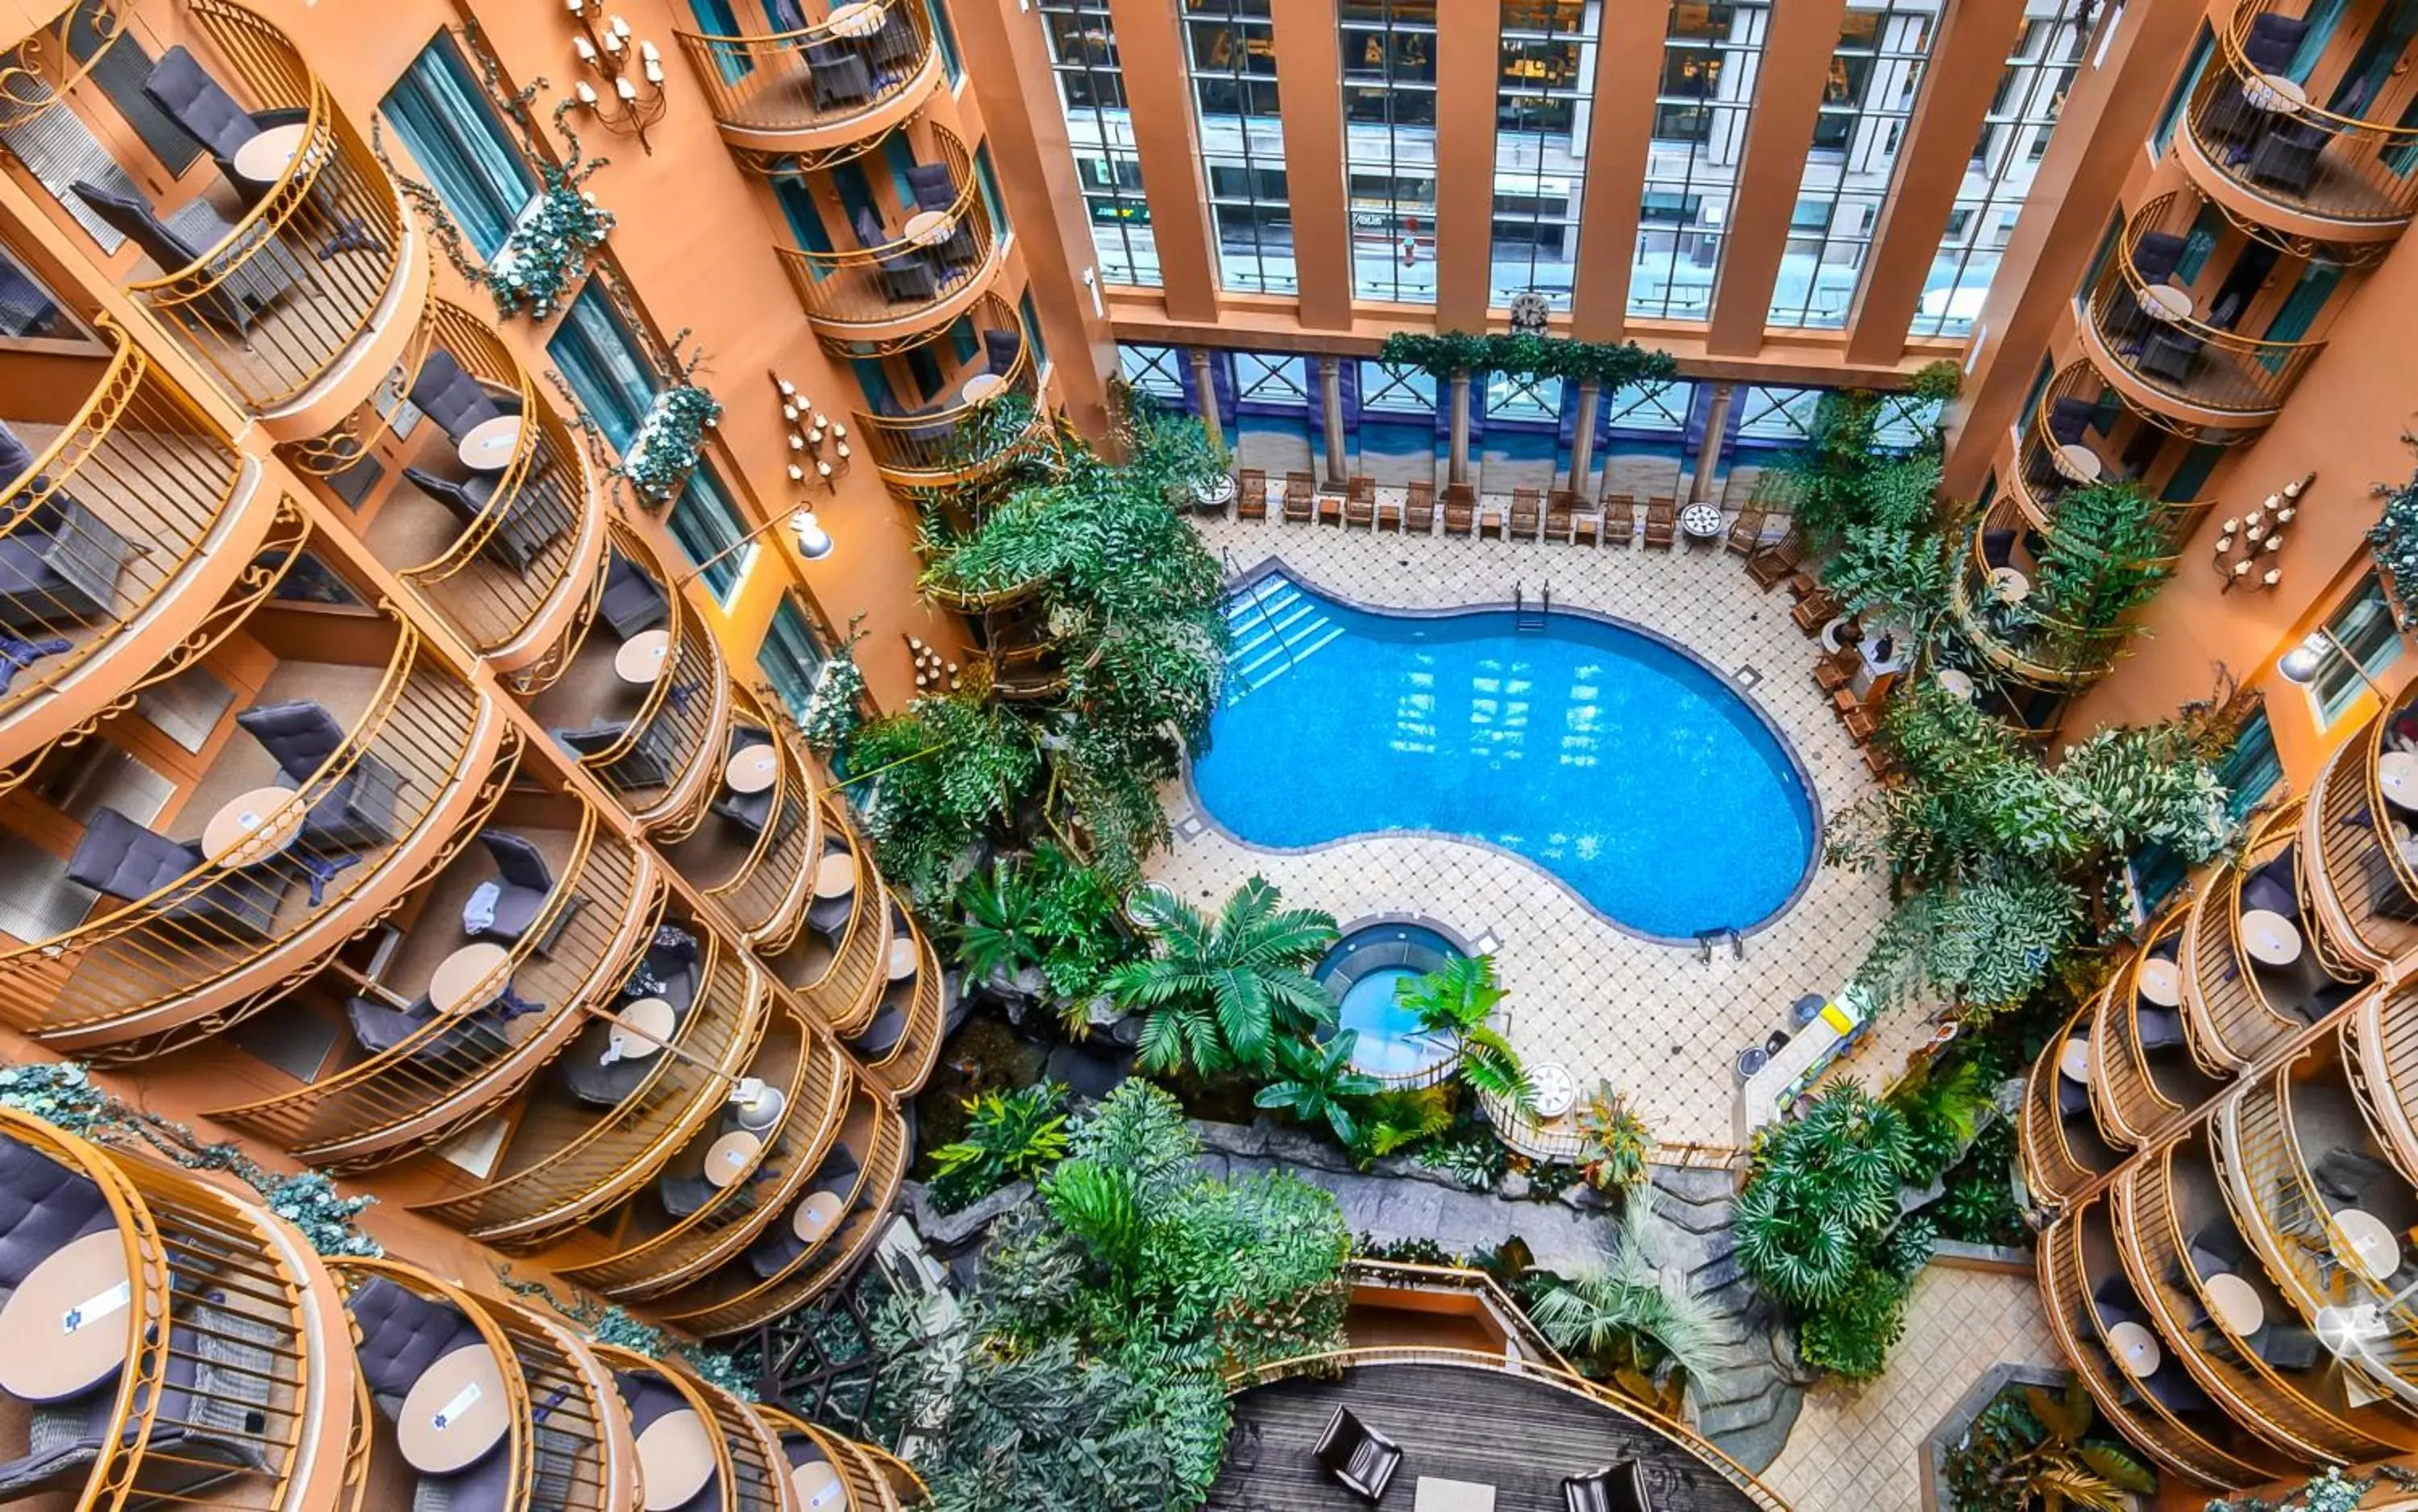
(2360, 175)
(670, 733)
(1681, 1437)
(760, 1472)
(2051, 1170)
(2231, 1022)
(517, 1449)
(2038, 484)
(2358, 874)
(702, 1400)
(1372, 1271)
(966, 440)
(844, 994)
(845, 288)
(766, 83)
(767, 892)
(592, 1455)
(2124, 1095)
(903, 1069)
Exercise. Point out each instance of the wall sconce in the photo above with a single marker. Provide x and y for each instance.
(2250, 548)
(1091, 282)
(934, 673)
(620, 103)
(818, 449)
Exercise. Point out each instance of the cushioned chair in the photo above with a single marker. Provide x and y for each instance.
(2161, 1029)
(647, 763)
(124, 860)
(59, 565)
(1358, 1455)
(895, 49)
(932, 187)
(214, 1395)
(585, 1072)
(2272, 887)
(684, 1194)
(838, 77)
(2346, 1175)
(780, 1246)
(238, 303)
(2156, 255)
(402, 1334)
(194, 102)
(516, 541)
(302, 736)
(751, 812)
(1997, 547)
(632, 603)
(379, 1029)
(1001, 348)
(2286, 1346)
(43, 1206)
(457, 401)
(649, 1401)
(524, 884)
(1619, 1487)
(881, 1036)
(2216, 1247)
(2069, 420)
(2273, 41)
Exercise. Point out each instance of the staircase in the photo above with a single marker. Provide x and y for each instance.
(1276, 628)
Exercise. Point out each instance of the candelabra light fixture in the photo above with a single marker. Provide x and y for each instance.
(627, 94)
(2250, 546)
(934, 673)
(818, 449)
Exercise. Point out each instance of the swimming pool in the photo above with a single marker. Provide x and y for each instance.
(1609, 758)
(1364, 967)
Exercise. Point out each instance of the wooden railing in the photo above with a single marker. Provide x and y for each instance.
(2361, 875)
(2009, 629)
(767, 895)
(760, 1472)
(655, 760)
(593, 1157)
(126, 981)
(2124, 1093)
(848, 290)
(2379, 1052)
(700, 1400)
(452, 1068)
(2231, 1023)
(515, 1448)
(2039, 483)
(963, 441)
(907, 1488)
(866, 1489)
(814, 79)
(847, 994)
(2226, 371)
(2358, 173)
(2055, 1174)
(120, 504)
(585, 1458)
(271, 308)
(1525, 1334)
(908, 1063)
(218, 1301)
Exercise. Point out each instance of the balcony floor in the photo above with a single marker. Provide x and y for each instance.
(412, 530)
(589, 691)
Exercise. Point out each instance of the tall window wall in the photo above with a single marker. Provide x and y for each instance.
(1874, 74)
(1389, 111)
(1543, 99)
(1092, 87)
(1230, 53)
(1711, 57)
(2014, 137)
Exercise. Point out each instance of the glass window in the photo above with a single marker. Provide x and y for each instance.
(1271, 380)
(1869, 94)
(944, 35)
(706, 523)
(790, 658)
(450, 129)
(1032, 331)
(2363, 626)
(1154, 370)
(1641, 408)
(1389, 102)
(1396, 391)
(1230, 53)
(2014, 135)
(1543, 90)
(2249, 769)
(1092, 86)
(1777, 414)
(28, 310)
(1711, 55)
(1512, 398)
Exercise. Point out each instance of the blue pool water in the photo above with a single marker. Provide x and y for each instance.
(1364, 969)
(1612, 760)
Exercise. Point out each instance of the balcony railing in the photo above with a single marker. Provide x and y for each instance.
(120, 508)
(569, 1159)
(900, 1057)
(2062, 450)
(659, 1253)
(961, 441)
(819, 79)
(2153, 329)
(840, 961)
(2363, 879)
(758, 855)
(241, 926)
(868, 292)
(534, 545)
(577, 947)
(861, 1475)
(760, 1472)
(2379, 1052)
(2062, 1152)
(512, 1461)
(2124, 1094)
(587, 1456)
(210, 1370)
(2236, 1008)
(284, 293)
(2257, 128)
(1999, 589)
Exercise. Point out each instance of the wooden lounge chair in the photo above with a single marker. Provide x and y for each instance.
(1300, 491)
(1251, 493)
(1390, 513)
(1528, 514)
(1861, 727)
(1802, 585)
(1360, 504)
(1746, 532)
(1561, 507)
(1882, 765)
(1460, 509)
(1418, 509)
(1814, 611)
(1836, 670)
(1619, 520)
(1661, 523)
(1773, 564)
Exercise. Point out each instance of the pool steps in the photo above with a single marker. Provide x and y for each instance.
(1276, 628)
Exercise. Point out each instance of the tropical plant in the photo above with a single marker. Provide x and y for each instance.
(1455, 1004)
(1010, 1137)
(1218, 993)
(1821, 1192)
(1316, 1082)
(1979, 1205)
(2328, 1490)
(1046, 911)
(1396, 1118)
(1478, 1162)
(1613, 1141)
(2104, 557)
(938, 780)
(1624, 1322)
(999, 933)
(2393, 541)
(1943, 1105)
(2031, 1450)
(1851, 1334)
(1608, 364)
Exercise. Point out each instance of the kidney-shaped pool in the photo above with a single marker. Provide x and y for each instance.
(1612, 759)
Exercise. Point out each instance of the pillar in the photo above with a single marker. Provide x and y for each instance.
(1582, 443)
(1330, 398)
(1456, 468)
(1708, 455)
(1204, 383)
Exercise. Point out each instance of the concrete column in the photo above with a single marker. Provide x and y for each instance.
(1708, 456)
(1204, 383)
(1620, 130)
(1582, 443)
(1795, 64)
(1308, 62)
(1456, 468)
(1160, 102)
(1466, 74)
(1330, 398)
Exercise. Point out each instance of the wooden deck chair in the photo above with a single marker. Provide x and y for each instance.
(1251, 493)
(1746, 533)
(1561, 512)
(1390, 513)
(1882, 765)
(1837, 669)
(1418, 509)
(1776, 563)
(1619, 520)
(1460, 509)
(1661, 523)
(1300, 490)
(1360, 504)
(1814, 611)
(1528, 514)
(1861, 725)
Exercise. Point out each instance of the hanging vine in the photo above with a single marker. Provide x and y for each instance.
(1607, 365)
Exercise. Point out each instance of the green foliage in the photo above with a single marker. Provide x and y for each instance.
(2106, 558)
(669, 441)
(2393, 541)
(1908, 1249)
(2029, 1450)
(837, 700)
(1979, 1206)
(1821, 1194)
(1851, 1334)
(1613, 1141)
(1397, 1118)
(2328, 1490)
(1943, 1108)
(1139, 1127)
(1608, 364)
(1010, 1137)
(1845, 479)
(1218, 993)
(952, 768)
(1476, 1162)
(1316, 1082)
(1456, 1004)
(1043, 909)
(1624, 1318)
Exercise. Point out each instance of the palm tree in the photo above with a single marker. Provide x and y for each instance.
(1218, 992)
(1456, 1003)
(1619, 1319)
(1314, 1082)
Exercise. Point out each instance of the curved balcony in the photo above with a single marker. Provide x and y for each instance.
(840, 961)
(2380, 1053)
(288, 302)
(2252, 979)
(616, 1110)
(817, 1460)
(2088, 1296)
(2143, 1080)
(818, 1240)
(2063, 1152)
(706, 1206)
(989, 415)
(2257, 145)
(569, 907)
(644, 705)
(412, 1327)
(900, 286)
(2165, 348)
(587, 1456)
(900, 1046)
(168, 1344)
(136, 518)
(2358, 833)
(491, 521)
(1998, 591)
(344, 786)
(755, 853)
(815, 88)
(700, 1448)
(2066, 445)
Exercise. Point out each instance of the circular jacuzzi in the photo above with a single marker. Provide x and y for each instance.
(1363, 970)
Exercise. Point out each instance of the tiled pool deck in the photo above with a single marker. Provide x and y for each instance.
(1650, 1018)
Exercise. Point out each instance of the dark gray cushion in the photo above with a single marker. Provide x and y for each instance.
(632, 602)
(300, 735)
(124, 860)
(43, 1205)
(402, 1336)
(187, 95)
(453, 399)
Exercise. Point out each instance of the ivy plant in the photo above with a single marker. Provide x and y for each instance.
(1453, 354)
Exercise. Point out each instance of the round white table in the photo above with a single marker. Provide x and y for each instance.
(2137, 1349)
(639, 1030)
(902, 959)
(471, 977)
(2271, 939)
(729, 1157)
(675, 1459)
(253, 826)
(2396, 772)
(862, 19)
(2375, 1251)
(927, 228)
(488, 446)
(1557, 1090)
(640, 660)
(66, 1324)
(2078, 462)
(2074, 1061)
(2009, 586)
(265, 158)
(1702, 522)
(2164, 302)
(2161, 983)
(753, 770)
(814, 1216)
(836, 875)
(2234, 1302)
(2275, 94)
(817, 1484)
(1216, 491)
(455, 1411)
(1956, 681)
(982, 385)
